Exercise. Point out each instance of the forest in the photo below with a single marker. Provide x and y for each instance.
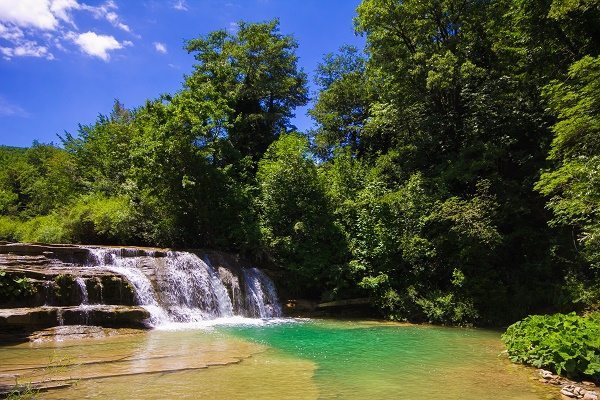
(453, 175)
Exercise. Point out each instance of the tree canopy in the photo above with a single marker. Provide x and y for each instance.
(452, 177)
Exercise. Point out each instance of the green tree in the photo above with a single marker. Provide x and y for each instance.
(297, 228)
(343, 101)
(573, 185)
(254, 73)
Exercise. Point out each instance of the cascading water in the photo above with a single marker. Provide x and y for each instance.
(191, 289)
(181, 287)
(85, 299)
(83, 293)
(261, 295)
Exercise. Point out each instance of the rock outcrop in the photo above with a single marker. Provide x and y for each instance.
(49, 285)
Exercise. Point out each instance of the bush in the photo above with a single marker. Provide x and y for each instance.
(447, 308)
(94, 219)
(8, 228)
(567, 344)
(12, 287)
(43, 229)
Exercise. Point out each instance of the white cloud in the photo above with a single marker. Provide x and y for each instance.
(101, 11)
(33, 27)
(112, 17)
(123, 26)
(97, 45)
(160, 47)
(60, 8)
(105, 11)
(10, 33)
(180, 5)
(7, 109)
(26, 49)
(28, 13)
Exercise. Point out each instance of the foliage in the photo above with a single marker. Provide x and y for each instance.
(63, 287)
(568, 344)
(342, 104)
(254, 74)
(452, 175)
(8, 228)
(43, 229)
(23, 392)
(297, 228)
(573, 187)
(12, 287)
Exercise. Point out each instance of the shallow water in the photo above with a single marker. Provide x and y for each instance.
(306, 359)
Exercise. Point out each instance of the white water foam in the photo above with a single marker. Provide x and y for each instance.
(184, 289)
(228, 321)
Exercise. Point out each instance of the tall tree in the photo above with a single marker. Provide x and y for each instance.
(573, 186)
(253, 72)
(342, 104)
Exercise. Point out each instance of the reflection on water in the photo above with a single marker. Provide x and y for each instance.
(301, 360)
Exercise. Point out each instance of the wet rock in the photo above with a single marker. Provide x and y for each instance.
(50, 272)
(76, 332)
(591, 396)
(102, 315)
(545, 374)
(28, 317)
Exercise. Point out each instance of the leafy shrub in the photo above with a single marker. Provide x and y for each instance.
(94, 219)
(43, 229)
(583, 292)
(447, 308)
(12, 287)
(567, 344)
(63, 287)
(8, 228)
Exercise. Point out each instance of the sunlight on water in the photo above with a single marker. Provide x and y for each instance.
(241, 358)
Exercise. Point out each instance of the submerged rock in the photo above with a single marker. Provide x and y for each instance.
(76, 332)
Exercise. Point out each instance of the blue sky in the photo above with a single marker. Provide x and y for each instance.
(62, 62)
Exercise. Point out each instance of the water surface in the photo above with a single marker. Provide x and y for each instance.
(306, 359)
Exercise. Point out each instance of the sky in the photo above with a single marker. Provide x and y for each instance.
(64, 62)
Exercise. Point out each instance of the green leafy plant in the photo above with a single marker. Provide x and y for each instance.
(63, 287)
(565, 343)
(23, 392)
(12, 287)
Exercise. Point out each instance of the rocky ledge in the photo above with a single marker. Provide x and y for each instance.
(97, 314)
(33, 275)
(51, 285)
(570, 389)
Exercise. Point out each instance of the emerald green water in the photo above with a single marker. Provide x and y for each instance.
(388, 361)
(310, 359)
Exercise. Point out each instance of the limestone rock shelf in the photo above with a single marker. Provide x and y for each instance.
(45, 285)
(99, 314)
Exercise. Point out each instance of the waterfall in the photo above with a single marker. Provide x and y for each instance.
(261, 296)
(192, 290)
(85, 299)
(179, 286)
(83, 293)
